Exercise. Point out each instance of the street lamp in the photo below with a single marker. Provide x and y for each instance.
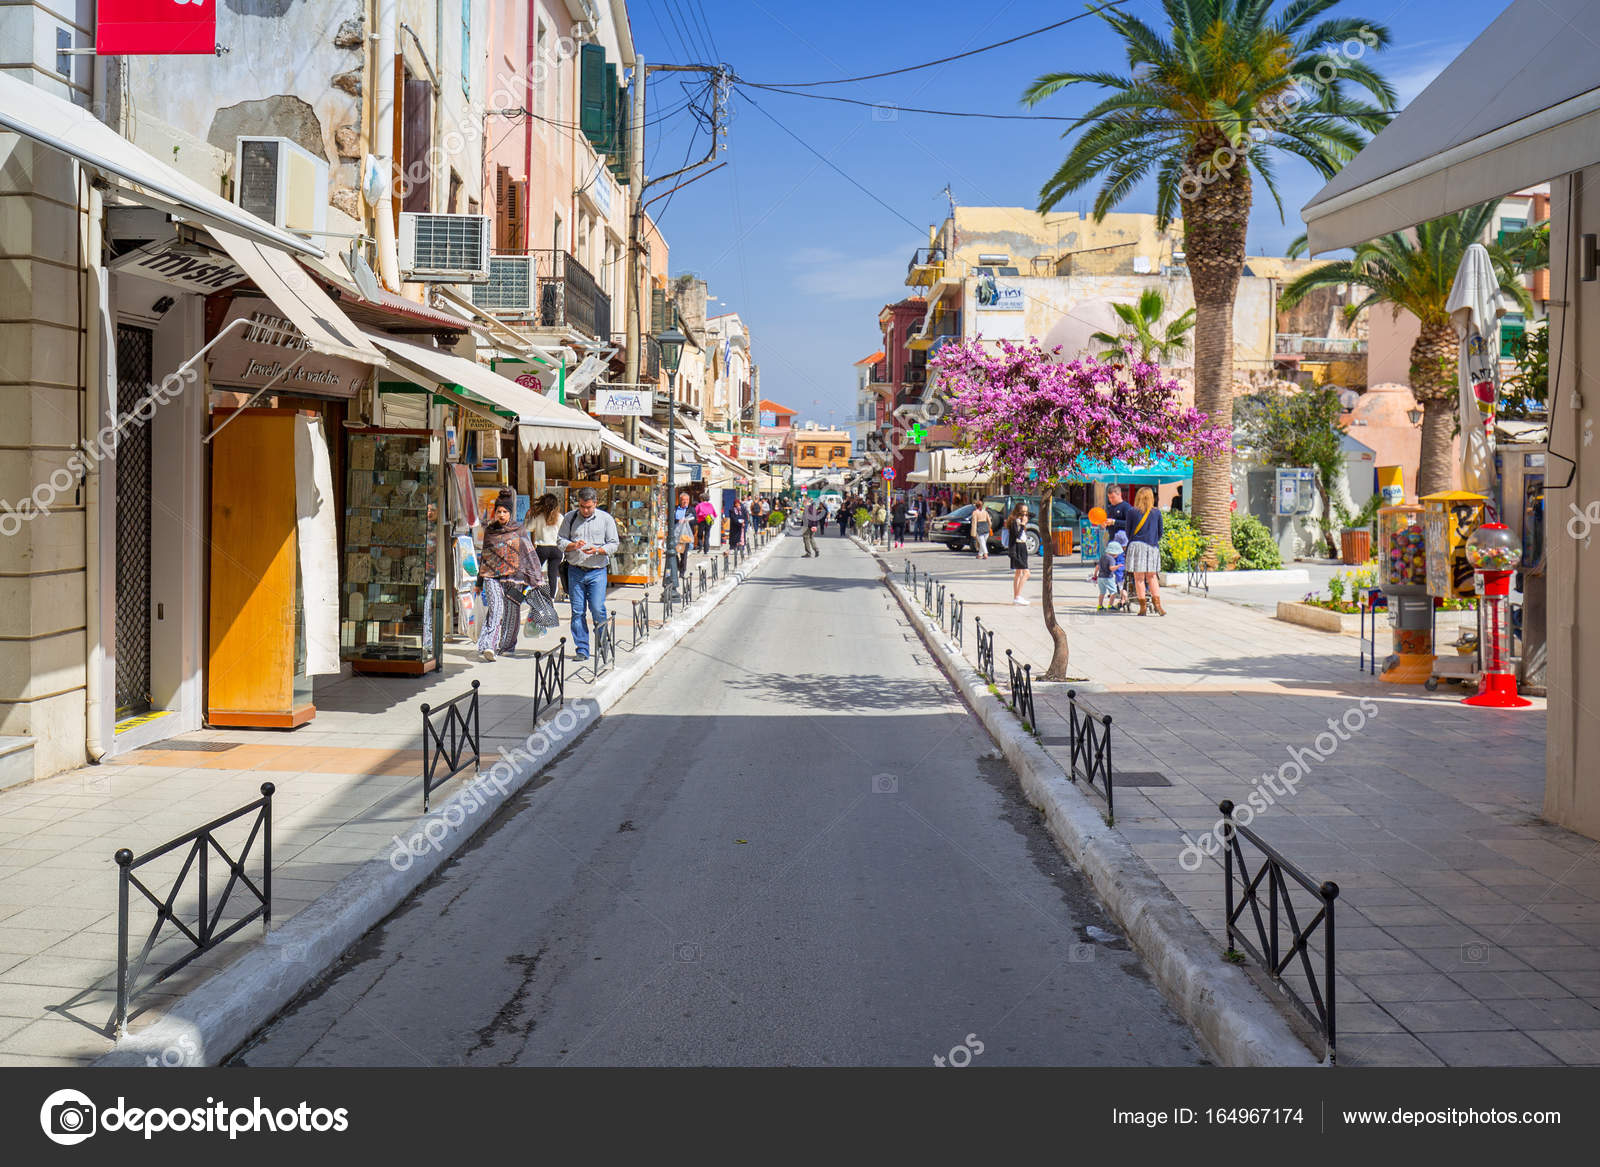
(671, 342)
(1414, 415)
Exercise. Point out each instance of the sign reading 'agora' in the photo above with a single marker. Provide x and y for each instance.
(155, 27)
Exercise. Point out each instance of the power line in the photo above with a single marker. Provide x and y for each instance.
(945, 60)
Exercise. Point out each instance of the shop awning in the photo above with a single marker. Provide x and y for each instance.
(627, 449)
(1155, 472)
(1519, 106)
(299, 297)
(501, 335)
(57, 123)
(957, 467)
(699, 439)
(540, 421)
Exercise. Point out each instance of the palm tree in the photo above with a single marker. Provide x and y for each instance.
(1414, 270)
(1206, 105)
(1139, 323)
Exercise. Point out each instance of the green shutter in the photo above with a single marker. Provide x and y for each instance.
(658, 310)
(592, 93)
(619, 159)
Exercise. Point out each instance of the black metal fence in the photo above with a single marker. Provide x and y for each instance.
(938, 604)
(1198, 575)
(686, 590)
(1020, 677)
(985, 649)
(714, 562)
(700, 573)
(1282, 923)
(956, 613)
(605, 645)
(1089, 750)
(549, 679)
(206, 932)
(448, 732)
(641, 620)
(1368, 660)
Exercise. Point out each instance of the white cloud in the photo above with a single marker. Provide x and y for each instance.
(840, 275)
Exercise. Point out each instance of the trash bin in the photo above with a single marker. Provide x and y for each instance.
(1063, 542)
(1355, 545)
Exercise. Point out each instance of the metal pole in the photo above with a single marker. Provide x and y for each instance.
(633, 305)
(672, 484)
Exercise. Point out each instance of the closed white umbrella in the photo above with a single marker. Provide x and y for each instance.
(1475, 304)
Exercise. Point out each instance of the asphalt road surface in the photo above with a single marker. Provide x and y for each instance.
(790, 844)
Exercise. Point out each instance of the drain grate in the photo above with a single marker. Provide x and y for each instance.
(201, 747)
(1141, 778)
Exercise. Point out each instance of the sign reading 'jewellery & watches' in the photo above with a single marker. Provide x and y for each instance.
(269, 347)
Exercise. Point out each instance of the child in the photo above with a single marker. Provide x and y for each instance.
(1106, 575)
(1119, 546)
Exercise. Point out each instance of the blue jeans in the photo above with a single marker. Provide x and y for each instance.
(587, 588)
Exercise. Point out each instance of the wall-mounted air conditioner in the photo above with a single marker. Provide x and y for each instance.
(510, 287)
(282, 182)
(444, 249)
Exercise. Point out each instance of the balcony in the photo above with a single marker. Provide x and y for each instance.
(569, 297)
(945, 323)
(926, 267)
(1315, 348)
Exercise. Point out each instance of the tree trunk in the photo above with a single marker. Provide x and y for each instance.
(1047, 550)
(1214, 223)
(1327, 516)
(1433, 383)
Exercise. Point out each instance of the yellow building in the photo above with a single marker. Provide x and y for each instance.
(817, 448)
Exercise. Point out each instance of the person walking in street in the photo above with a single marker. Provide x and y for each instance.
(736, 523)
(1015, 538)
(705, 512)
(683, 525)
(813, 523)
(588, 538)
(1144, 549)
(897, 523)
(842, 516)
(880, 522)
(507, 567)
(918, 517)
(979, 530)
(544, 521)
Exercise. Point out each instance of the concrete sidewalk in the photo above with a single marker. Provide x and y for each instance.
(1468, 929)
(346, 784)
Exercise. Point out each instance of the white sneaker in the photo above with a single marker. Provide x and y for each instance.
(486, 654)
(1021, 600)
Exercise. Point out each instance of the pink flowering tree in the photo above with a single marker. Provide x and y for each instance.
(1031, 412)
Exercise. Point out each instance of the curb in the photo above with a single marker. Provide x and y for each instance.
(207, 1025)
(1230, 1014)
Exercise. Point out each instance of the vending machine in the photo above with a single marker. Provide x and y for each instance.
(1403, 575)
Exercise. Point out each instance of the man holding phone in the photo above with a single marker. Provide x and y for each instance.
(588, 538)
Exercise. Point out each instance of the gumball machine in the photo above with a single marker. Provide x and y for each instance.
(1494, 554)
(1403, 571)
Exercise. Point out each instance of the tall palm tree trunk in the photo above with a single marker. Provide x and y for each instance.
(1047, 580)
(1214, 226)
(1433, 383)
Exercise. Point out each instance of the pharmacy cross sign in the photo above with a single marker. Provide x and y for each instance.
(917, 432)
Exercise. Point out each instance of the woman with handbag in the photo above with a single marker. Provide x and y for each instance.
(507, 568)
(980, 530)
(544, 520)
(1014, 537)
(1144, 549)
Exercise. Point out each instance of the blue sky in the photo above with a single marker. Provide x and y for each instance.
(806, 257)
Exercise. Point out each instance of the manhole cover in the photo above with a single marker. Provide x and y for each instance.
(202, 747)
(1140, 778)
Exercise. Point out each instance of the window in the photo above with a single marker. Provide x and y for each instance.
(453, 204)
(1508, 228)
(541, 66)
(838, 452)
(1512, 326)
(809, 452)
(557, 240)
(466, 47)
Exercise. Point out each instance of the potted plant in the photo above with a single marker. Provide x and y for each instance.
(1355, 540)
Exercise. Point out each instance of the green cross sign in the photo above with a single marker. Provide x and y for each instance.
(917, 433)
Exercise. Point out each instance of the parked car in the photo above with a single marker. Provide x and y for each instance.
(953, 529)
(1064, 517)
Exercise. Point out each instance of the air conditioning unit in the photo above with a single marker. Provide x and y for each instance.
(282, 182)
(509, 290)
(444, 249)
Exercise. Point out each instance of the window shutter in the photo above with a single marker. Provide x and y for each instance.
(658, 310)
(519, 216)
(619, 160)
(592, 93)
(502, 209)
(608, 132)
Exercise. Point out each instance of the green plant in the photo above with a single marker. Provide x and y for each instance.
(775, 519)
(1302, 429)
(1139, 327)
(1367, 516)
(1181, 542)
(1336, 590)
(863, 518)
(1256, 548)
(1526, 390)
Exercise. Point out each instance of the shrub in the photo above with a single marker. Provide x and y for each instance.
(863, 518)
(775, 519)
(1180, 541)
(1257, 549)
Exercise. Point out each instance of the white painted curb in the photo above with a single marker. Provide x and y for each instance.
(205, 1026)
(1239, 1025)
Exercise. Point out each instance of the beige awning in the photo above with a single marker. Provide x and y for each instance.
(627, 449)
(957, 467)
(299, 297)
(540, 421)
(57, 123)
(1519, 106)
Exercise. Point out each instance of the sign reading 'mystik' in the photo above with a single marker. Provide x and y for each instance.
(163, 262)
(251, 356)
(155, 26)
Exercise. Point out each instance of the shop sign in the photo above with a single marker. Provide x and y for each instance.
(749, 448)
(155, 26)
(159, 261)
(252, 356)
(999, 295)
(622, 402)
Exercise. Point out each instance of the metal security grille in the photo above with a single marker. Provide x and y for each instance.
(449, 243)
(133, 525)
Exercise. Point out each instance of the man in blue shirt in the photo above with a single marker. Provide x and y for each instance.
(1118, 511)
(587, 538)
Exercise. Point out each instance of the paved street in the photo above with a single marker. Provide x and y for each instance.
(788, 845)
(1468, 927)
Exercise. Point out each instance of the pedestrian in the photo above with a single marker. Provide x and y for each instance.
(813, 523)
(1015, 540)
(1177, 499)
(507, 567)
(1118, 511)
(1108, 575)
(683, 522)
(738, 521)
(897, 523)
(1144, 550)
(588, 538)
(843, 517)
(705, 513)
(913, 518)
(544, 521)
(880, 522)
(979, 530)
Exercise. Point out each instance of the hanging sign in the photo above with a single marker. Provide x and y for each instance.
(270, 350)
(750, 448)
(621, 403)
(160, 262)
(155, 27)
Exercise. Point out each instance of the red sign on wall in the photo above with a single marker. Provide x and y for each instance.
(156, 26)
